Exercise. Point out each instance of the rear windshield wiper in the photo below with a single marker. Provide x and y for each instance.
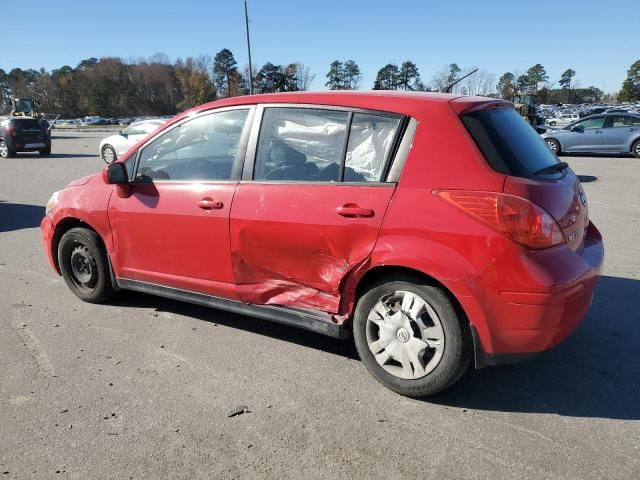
(556, 167)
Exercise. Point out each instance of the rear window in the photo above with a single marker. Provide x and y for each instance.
(25, 124)
(508, 142)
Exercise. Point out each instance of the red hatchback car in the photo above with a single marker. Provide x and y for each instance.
(436, 229)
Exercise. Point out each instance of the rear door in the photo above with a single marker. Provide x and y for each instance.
(618, 132)
(310, 204)
(584, 136)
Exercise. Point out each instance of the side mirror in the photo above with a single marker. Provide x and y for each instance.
(115, 174)
(123, 134)
(577, 129)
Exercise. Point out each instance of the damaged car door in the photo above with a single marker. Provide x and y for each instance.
(311, 202)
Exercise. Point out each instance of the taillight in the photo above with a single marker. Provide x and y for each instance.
(522, 221)
(11, 131)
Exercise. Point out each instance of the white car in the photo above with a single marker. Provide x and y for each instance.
(563, 119)
(115, 145)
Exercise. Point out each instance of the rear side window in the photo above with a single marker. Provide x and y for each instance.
(317, 145)
(370, 143)
(508, 142)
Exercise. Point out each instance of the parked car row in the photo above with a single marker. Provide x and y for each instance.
(97, 120)
(561, 115)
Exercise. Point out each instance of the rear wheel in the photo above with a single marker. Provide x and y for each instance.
(84, 265)
(554, 145)
(5, 151)
(552, 123)
(636, 149)
(108, 154)
(410, 337)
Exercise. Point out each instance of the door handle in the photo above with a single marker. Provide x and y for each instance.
(352, 210)
(209, 203)
(598, 131)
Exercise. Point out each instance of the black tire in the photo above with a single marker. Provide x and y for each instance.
(457, 346)
(635, 149)
(45, 152)
(84, 265)
(553, 124)
(554, 145)
(108, 154)
(5, 151)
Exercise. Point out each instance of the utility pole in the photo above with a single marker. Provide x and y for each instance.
(246, 22)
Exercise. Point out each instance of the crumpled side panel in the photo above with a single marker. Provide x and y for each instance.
(290, 247)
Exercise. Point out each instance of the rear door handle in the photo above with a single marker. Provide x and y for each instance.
(208, 203)
(352, 210)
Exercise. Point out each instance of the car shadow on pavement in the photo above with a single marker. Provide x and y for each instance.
(258, 326)
(16, 216)
(595, 373)
(587, 178)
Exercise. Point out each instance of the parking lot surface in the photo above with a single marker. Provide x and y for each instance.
(141, 387)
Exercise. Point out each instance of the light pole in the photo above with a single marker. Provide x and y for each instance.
(246, 22)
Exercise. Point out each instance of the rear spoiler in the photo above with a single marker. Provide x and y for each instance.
(462, 105)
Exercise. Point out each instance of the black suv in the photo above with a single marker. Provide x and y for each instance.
(23, 134)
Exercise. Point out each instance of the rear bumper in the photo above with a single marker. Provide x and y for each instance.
(48, 231)
(18, 144)
(527, 301)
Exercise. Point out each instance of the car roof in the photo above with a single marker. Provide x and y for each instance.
(407, 103)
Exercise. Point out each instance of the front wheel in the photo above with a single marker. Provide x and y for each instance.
(84, 265)
(410, 338)
(108, 154)
(45, 152)
(553, 145)
(636, 149)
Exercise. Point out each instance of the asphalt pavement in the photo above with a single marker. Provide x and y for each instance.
(142, 387)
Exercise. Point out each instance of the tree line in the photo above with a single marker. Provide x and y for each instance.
(113, 87)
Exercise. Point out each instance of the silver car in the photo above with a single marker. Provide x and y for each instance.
(115, 145)
(605, 133)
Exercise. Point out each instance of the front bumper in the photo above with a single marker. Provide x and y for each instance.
(527, 301)
(48, 231)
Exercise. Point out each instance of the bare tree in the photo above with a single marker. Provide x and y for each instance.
(304, 77)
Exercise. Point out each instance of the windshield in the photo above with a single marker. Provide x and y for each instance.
(508, 142)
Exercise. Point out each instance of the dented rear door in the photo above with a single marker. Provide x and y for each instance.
(292, 243)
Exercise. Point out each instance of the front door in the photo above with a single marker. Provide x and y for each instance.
(173, 227)
(310, 209)
(585, 136)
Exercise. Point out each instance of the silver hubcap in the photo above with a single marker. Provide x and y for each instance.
(3, 149)
(638, 148)
(552, 146)
(108, 154)
(405, 335)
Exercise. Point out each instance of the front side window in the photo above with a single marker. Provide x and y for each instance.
(306, 144)
(204, 148)
(595, 122)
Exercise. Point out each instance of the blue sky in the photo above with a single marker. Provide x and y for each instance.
(598, 39)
